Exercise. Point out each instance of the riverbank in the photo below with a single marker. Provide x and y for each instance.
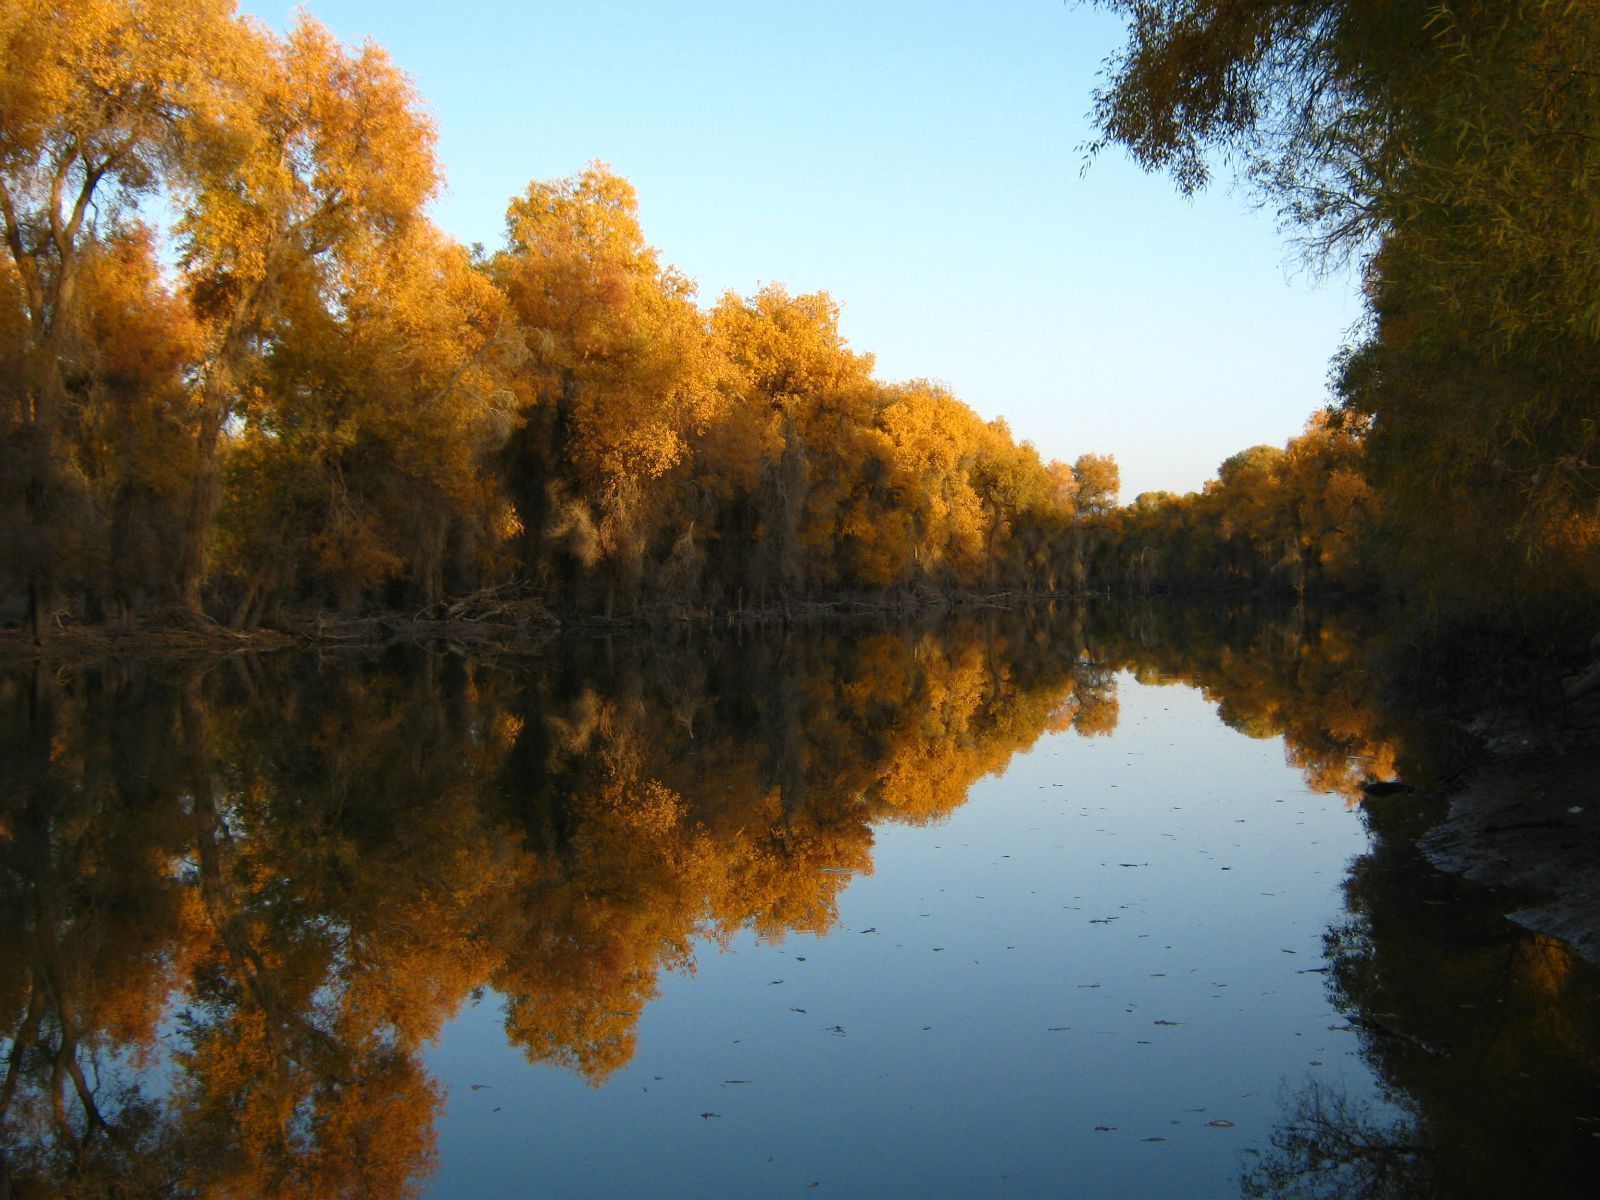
(1527, 821)
(482, 624)
(89, 643)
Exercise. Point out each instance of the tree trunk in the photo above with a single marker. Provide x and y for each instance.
(241, 612)
(202, 508)
(38, 625)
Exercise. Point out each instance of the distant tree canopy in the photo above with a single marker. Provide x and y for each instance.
(1456, 149)
(1298, 519)
(300, 394)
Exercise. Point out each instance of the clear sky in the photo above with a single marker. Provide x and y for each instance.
(922, 161)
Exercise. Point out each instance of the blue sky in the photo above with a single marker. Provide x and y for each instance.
(920, 160)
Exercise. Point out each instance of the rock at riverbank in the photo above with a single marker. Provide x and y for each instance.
(1529, 822)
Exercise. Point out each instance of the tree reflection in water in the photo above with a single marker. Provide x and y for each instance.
(1486, 1039)
(1331, 1147)
(241, 897)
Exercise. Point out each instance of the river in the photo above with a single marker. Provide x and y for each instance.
(1063, 903)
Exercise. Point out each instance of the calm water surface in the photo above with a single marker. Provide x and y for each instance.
(1044, 906)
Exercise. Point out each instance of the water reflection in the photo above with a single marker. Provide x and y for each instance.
(1312, 680)
(240, 898)
(1485, 1037)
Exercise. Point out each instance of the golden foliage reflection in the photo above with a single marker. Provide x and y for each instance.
(270, 883)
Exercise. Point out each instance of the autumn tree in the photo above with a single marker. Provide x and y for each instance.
(1009, 479)
(1299, 518)
(97, 113)
(619, 373)
(119, 436)
(128, 430)
(366, 456)
(789, 361)
(330, 158)
(286, 160)
(934, 439)
(1452, 147)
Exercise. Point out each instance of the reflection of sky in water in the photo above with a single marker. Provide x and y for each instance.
(1005, 1007)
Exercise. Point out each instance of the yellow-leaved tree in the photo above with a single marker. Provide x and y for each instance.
(328, 157)
(364, 456)
(103, 103)
(620, 372)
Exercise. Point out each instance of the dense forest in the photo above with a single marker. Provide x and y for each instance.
(297, 393)
(243, 376)
(1454, 151)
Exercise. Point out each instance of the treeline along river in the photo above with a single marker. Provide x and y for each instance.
(1064, 902)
